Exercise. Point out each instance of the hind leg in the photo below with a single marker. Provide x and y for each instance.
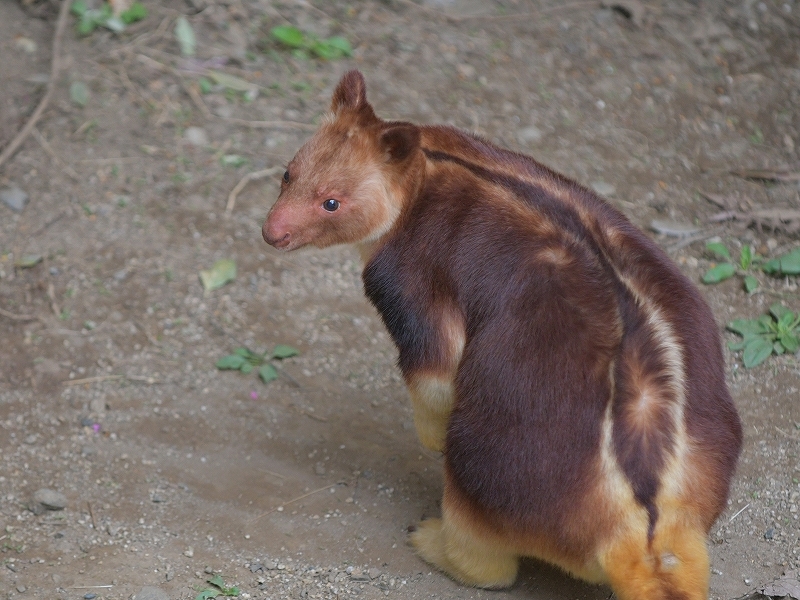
(674, 567)
(454, 545)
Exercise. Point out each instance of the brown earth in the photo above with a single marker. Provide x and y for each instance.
(172, 469)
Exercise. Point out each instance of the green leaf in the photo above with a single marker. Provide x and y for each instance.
(222, 272)
(78, 8)
(207, 594)
(790, 263)
(245, 352)
(746, 257)
(779, 311)
(232, 160)
(267, 373)
(747, 327)
(185, 36)
(217, 580)
(79, 93)
(341, 44)
(26, 261)
(719, 273)
(246, 368)
(750, 284)
(719, 249)
(756, 352)
(790, 342)
(778, 348)
(289, 36)
(232, 361)
(136, 12)
(283, 351)
(772, 266)
(237, 84)
(736, 346)
(205, 85)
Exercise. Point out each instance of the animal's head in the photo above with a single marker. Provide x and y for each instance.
(349, 182)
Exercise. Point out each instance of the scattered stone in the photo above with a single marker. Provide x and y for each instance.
(271, 565)
(21, 589)
(769, 534)
(374, 573)
(151, 593)
(603, 188)
(529, 135)
(189, 552)
(14, 198)
(196, 136)
(89, 596)
(359, 575)
(98, 406)
(256, 567)
(465, 71)
(48, 500)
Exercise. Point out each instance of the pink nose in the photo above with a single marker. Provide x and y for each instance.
(274, 237)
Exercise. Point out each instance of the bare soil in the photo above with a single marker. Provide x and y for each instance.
(304, 488)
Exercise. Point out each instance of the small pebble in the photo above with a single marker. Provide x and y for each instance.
(14, 198)
(189, 552)
(196, 136)
(50, 499)
(603, 188)
(21, 589)
(151, 593)
(374, 573)
(89, 596)
(529, 135)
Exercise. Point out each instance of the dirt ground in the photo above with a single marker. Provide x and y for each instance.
(304, 488)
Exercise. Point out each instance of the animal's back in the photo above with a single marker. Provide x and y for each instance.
(585, 348)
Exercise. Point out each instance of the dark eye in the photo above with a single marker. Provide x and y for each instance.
(330, 204)
(286, 177)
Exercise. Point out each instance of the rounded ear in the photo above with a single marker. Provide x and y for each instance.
(351, 93)
(399, 141)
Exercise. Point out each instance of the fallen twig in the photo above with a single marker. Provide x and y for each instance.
(100, 378)
(767, 174)
(277, 508)
(243, 183)
(15, 317)
(518, 15)
(91, 515)
(270, 124)
(740, 511)
(51, 83)
(47, 148)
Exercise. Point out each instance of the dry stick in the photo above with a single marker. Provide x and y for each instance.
(322, 489)
(91, 515)
(14, 317)
(243, 183)
(99, 378)
(20, 137)
(549, 9)
(47, 148)
(744, 508)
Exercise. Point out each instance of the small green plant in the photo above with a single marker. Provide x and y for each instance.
(774, 333)
(747, 263)
(218, 589)
(726, 270)
(306, 44)
(245, 360)
(787, 264)
(90, 19)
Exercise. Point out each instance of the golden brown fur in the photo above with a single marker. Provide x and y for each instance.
(569, 372)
